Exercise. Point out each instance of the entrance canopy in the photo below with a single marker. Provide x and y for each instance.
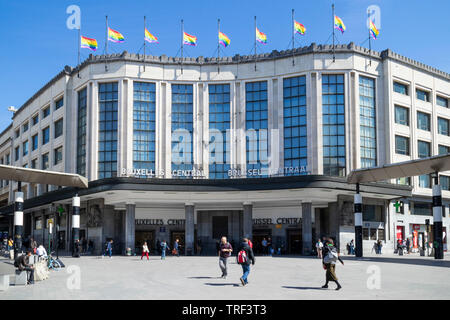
(42, 176)
(401, 169)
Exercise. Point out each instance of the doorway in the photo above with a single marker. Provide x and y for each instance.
(219, 227)
(144, 236)
(294, 239)
(258, 236)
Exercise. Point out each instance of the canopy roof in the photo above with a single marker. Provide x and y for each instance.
(42, 176)
(401, 169)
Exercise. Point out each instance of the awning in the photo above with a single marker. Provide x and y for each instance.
(401, 169)
(42, 176)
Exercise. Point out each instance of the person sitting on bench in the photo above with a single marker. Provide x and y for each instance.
(22, 263)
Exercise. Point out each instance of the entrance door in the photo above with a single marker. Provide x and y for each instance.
(174, 235)
(258, 236)
(294, 238)
(219, 227)
(144, 236)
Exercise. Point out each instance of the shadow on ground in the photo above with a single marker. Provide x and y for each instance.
(406, 260)
(222, 284)
(303, 288)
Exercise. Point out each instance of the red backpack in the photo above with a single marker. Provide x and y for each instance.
(250, 243)
(242, 257)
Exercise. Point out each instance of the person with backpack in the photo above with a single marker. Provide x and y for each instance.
(244, 256)
(330, 257)
(225, 251)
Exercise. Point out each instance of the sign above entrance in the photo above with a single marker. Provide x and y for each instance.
(278, 221)
(160, 222)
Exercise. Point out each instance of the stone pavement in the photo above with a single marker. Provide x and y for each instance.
(407, 277)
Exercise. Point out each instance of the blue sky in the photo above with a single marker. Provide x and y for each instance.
(36, 43)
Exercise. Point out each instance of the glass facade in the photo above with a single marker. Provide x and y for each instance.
(443, 149)
(144, 122)
(219, 120)
(182, 119)
(367, 122)
(45, 135)
(58, 127)
(443, 102)
(400, 88)
(107, 141)
(402, 145)
(424, 151)
(294, 117)
(443, 125)
(256, 118)
(81, 132)
(333, 109)
(423, 121)
(402, 115)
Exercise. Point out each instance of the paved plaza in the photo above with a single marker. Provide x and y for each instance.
(287, 278)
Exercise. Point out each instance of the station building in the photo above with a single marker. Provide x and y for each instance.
(256, 146)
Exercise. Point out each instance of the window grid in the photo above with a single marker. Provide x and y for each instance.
(443, 126)
(400, 88)
(367, 118)
(294, 124)
(443, 149)
(219, 119)
(423, 121)
(402, 115)
(144, 125)
(108, 102)
(59, 103)
(402, 145)
(424, 151)
(182, 118)
(441, 101)
(58, 127)
(45, 135)
(81, 132)
(333, 109)
(256, 118)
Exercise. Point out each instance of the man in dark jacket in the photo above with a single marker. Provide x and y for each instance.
(22, 263)
(245, 250)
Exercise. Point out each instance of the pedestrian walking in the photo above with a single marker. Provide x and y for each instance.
(33, 245)
(144, 250)
(176, 248)
(164, 247)
(224, 253)
(264, 246)
(244, 257)
(10, 244)
(330, 257)
(352, 247)
(76, 249)
(108, 248)
(319, 248)
(408, 244)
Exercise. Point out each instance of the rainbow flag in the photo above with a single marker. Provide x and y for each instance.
(223, 39)
(88, 43)
(299, 28)
(189, 39)
(261, 37)
(149, 37)
(339, 24)
(373, 30)
(115, 36)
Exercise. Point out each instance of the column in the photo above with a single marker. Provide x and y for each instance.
(18, 221)
(317, 223)
(248, 220)
(75, 221)
(189, 228)
(437, 219)
(306, 228)
(358, 223)
(130, 226)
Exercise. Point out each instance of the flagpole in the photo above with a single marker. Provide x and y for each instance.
(106, 46)
(334, 56)
(370, 40)
(293, 38)
(144, 41)
(182, 37)
(79, 45)
(218, 46)
(255, 44)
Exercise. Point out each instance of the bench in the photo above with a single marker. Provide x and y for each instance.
(21, 278)
(4, 282)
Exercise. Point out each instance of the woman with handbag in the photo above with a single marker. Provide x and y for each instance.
(330, 257)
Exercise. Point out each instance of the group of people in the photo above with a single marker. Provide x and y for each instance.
(267, 248)
(377, 245)
(163, 248)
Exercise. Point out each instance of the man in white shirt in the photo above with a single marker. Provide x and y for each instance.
(41, 252)
(319, 247)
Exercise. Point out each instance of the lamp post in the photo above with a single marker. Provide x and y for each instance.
(18, 219)
(358, 223)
